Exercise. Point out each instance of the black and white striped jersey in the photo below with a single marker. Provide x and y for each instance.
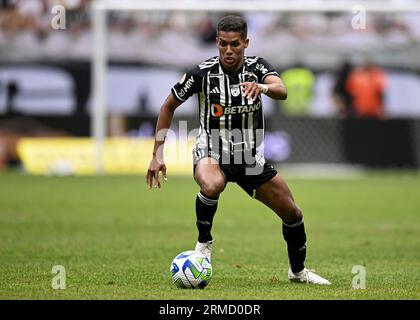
(229, 122)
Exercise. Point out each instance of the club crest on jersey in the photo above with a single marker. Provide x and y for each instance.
(235, 90)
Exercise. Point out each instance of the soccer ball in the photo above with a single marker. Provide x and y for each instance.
(191, 269)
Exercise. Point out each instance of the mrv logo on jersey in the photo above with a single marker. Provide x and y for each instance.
(188, 84)
(217, 110)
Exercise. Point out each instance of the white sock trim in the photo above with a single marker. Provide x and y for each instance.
(207, 201)
(296, 224)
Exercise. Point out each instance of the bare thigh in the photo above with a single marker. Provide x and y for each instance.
(210, 177)
(276, 194)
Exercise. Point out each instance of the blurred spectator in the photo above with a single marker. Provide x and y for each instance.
(14, 129)
(299, 82)
(366, 86)
(341, 96)
(26, 34)
(207, 31)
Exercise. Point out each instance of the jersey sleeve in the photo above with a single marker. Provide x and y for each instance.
(188, 85)
(264, 69)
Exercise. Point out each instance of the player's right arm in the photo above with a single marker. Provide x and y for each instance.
(157, 164)
(185, 88)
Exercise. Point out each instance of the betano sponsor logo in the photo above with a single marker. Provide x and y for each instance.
(217, 110)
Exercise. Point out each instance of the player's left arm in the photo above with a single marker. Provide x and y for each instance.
(273, 87)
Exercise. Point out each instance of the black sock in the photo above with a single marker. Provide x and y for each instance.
(205, 209)
(295, 236)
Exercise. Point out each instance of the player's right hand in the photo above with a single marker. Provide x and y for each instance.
(155, 167)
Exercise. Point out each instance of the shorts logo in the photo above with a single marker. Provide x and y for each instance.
(234, 90)
(216, 110)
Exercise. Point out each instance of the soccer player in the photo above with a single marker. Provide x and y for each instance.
(229, 88)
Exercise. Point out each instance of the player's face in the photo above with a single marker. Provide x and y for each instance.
(231, 49)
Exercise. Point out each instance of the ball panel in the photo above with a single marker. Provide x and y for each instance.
(191, 269)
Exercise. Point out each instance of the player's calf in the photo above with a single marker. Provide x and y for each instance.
(295, 237)
(205, 208)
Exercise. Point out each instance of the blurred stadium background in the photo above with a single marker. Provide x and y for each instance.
(46, 87)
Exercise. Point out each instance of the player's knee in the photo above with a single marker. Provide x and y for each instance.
(297, 213)
(293, 215)
(213, 187)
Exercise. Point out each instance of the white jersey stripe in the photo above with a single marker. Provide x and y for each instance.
(223, 131)
(202, 134)
(241, 79)
(208, 111)
(222, 88)
(251, 128)
(229, 93)
(244, 131)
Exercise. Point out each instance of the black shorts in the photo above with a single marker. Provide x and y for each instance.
(248, 176)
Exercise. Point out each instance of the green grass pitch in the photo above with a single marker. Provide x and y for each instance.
(116, 238)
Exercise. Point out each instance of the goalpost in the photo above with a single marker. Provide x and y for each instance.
(99, 25)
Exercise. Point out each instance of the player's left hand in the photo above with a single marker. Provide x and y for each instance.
(251, 90)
